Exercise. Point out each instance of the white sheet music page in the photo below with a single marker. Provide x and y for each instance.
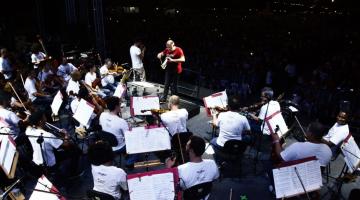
(120, 91)
(83, 112)
(142, 140)
(44, 185)
(351, 154)
(56, 104)
(287, 183)
(277, 120)
(7, 153)
(154, 187)
(139, 104)
(216, 100)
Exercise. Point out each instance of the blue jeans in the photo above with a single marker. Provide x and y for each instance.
(132, 158)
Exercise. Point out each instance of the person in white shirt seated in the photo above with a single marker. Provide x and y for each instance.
(198, 170)
(312, 147)
(107, 178)
(175, 119)
(65, 70)
(270, 107)
(8, 116)
(107, 78)
(232, 125)
(137, 51)
(90, 81)
(112, 123)
(36, 97)
(73, 86)
(5, 65)
(338, 133)
(37, 56)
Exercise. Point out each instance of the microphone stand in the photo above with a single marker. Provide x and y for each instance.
(160, 122)
(262, 130)
(302, 184)
(4, 195)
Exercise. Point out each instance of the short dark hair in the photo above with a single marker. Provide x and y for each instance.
(317, 130)
(268, 92)
(234, 102)
(83, 92)
(100, 153)
(112, 102)
(197, 144)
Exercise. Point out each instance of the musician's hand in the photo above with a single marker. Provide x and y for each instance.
(63, 131)
(170, 59)
(275, 137)
(170, 162)
(253, 116)
(159, 55)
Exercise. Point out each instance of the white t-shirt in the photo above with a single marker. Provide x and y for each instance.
(103, 71)
(89, 78)
(105, 77)
(11, 119)
(109, 179)
(135, 57)
(36, 58)
(300, 150)
(337, 133)
(273, 107)
(30, 88)
(5, 67)
(49, 145)
(191, 173)
(42, 75)
(175, 120)
(232, 125)
(73, 86)
(65, 71)
(115, 125)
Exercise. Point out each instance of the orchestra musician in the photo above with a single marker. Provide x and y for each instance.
(337, 133)
(197, 170)
(65, 70)
(90, 78)
(175, 119)
(37, 56)
(269, 107)
(137, 51)
(47, 155)
(112, 123)
(232, 125)
(107, 178)
(175, 57)
(73, 86)
(314, 146)
(35, 94)
(5, 65)
(107, 77)
(8, 116)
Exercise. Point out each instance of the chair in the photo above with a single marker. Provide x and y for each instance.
(198, 192)
(95, 195)
(230, 157)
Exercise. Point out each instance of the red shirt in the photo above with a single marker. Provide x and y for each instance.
(177, 53)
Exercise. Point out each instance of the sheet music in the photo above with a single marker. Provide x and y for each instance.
(7, 154)
(141, 140)
(144, 103)
(277, 120)
(351, 154)
(56, 104)
(83, 112)
(218, 99)
(45, 185)
(288, 184)
(119, 91)
(154, 187)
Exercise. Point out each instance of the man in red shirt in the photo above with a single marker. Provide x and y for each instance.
(175, 57)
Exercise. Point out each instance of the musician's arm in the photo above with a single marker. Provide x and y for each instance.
(177, 60)
(329, 143)
(161, 54)
(276, 145)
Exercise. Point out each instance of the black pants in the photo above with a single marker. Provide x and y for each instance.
(171, 80)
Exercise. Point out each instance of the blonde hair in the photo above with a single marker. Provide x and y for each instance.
(174, 100)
